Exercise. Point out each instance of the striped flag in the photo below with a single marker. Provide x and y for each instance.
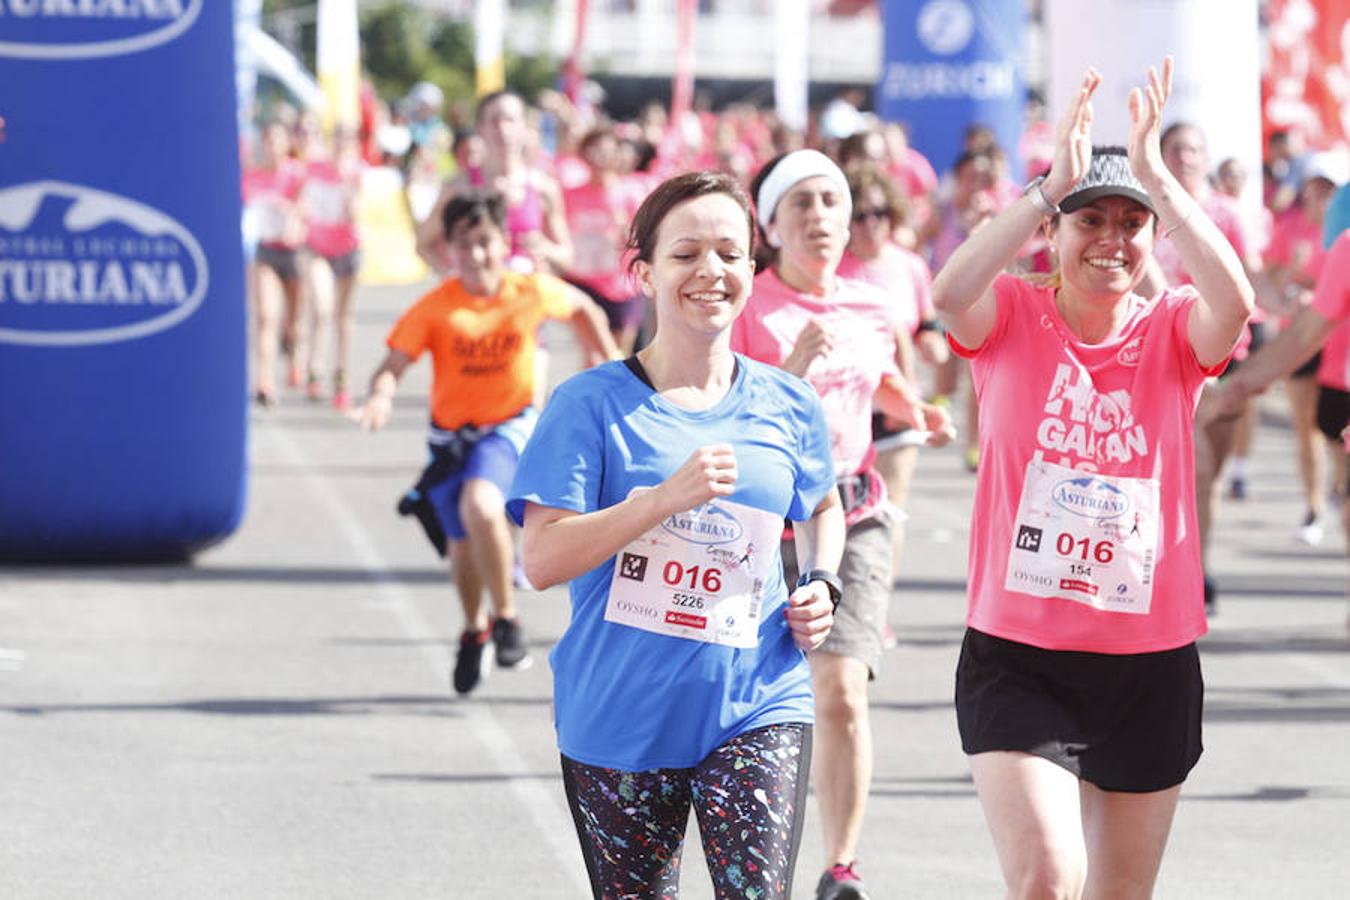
(489, 28)
(339, 62)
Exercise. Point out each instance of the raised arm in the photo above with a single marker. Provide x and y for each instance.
(374, 413)
(431, 233)
(963, 290)
(551, 249)
(1226, 296)
(592, 329)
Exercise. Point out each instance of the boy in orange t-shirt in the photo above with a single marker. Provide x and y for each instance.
(480, 328)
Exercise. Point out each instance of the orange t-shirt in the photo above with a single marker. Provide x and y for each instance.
(482, 348)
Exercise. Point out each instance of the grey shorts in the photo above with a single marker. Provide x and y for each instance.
(285, 261)
(866, 575)
(344, 266)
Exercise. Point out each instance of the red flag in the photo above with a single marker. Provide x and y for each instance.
(574, 73)
(1306, 85)
(682, 89)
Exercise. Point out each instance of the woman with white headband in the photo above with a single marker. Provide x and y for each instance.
(840, 336)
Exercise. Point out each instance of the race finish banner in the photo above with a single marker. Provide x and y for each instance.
(950, 64)
(122, 314)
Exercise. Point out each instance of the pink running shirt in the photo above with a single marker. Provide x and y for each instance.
(327, 200)
(863, 323)
(598, 217)
(1332, 300)
(903, 275)
(271, 195)
(1121, 408)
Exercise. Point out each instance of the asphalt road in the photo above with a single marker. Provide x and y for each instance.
(275, 721)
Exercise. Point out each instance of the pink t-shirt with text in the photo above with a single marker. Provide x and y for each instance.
(1122, 408)
(1332, 300)
(861, 320)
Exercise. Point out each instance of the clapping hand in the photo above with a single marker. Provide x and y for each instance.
(1073, 141)
(1146, 106)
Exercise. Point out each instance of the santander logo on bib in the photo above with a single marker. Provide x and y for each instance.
(81, 266)
(1091, 498)
(81, 29)
(706, 524)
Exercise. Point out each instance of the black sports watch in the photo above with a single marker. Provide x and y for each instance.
(831, 581)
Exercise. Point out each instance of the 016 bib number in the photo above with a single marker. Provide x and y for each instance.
(1089, 538)
(700, 575)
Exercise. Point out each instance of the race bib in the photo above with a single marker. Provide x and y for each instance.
(326, 202)
(700, 575)
(1089, 538)
(269, 219)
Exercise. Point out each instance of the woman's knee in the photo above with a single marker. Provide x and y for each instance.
(1049, 872)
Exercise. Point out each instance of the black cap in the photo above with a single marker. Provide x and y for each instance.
(1109, 175)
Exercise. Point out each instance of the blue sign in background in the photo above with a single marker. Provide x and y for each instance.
(949, 64)
(123, 409)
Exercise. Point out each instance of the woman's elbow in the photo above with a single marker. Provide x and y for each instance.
(540, 571)
(943, 299)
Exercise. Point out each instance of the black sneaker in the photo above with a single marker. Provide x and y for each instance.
(841, 883)
(471, 662)
(510, 640)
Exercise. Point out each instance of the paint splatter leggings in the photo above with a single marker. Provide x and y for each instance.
(749, 796)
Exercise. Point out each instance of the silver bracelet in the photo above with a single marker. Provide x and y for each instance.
(1037, 195)
(1184, 219)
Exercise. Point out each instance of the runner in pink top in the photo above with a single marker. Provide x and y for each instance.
(1325, 323)
(1187, 158)
(598, 213)
(271, 192)
(1078, 691)
(329, 204)
(840, 336)
(1293, 262)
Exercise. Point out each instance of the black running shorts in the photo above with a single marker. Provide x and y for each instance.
(1126, 723)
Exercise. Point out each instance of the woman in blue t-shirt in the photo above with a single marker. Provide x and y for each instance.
(658, 487)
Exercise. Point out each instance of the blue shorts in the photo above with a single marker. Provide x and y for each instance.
(494, 459)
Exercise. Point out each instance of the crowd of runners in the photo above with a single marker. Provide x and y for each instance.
(767, 348)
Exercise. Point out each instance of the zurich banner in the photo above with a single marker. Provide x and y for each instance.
(122, 315)
(954, 63)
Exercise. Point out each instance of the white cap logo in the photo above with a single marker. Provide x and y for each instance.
(946, 26)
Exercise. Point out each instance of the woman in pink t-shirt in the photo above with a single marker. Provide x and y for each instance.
(329, 204)
(271, 191)
(598, 213)
(1293, 262)
(1078, 690)
(840, 336)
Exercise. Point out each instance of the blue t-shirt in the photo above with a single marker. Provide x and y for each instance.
(625, 698)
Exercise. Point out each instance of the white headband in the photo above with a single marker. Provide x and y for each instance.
(799, 165)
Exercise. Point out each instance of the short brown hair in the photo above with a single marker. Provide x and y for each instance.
(864, 177)
(670, 194)
(474, 207)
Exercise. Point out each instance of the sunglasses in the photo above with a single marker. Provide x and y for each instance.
(878, 212)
